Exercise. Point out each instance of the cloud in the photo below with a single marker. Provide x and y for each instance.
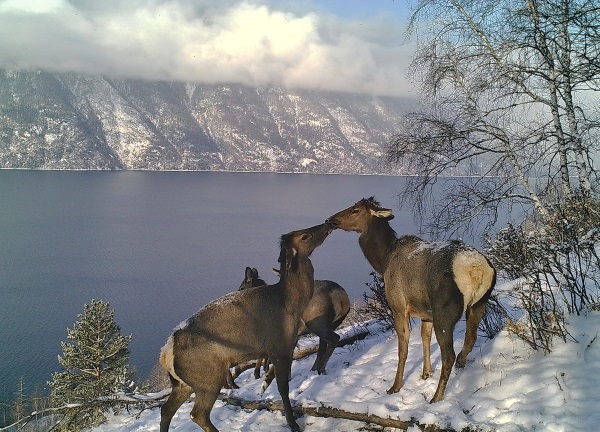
(201, 41)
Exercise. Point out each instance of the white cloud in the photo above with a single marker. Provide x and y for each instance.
(244, 42)
(31, 6)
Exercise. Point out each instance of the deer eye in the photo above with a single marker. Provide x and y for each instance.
(354, 211)
(305, 237)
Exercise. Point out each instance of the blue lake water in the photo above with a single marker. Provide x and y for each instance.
(157, 246)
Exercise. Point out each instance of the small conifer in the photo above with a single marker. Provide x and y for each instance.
(95, 367)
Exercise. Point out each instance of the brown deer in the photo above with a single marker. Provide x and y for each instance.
(326, 310)
(242, 326)
(434, 281)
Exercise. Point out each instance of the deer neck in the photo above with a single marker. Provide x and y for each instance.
(298, 284)
(376, 242)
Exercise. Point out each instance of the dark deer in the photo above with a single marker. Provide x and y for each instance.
(326, 310)
(434, 281)
(242, 326)
(251, 280)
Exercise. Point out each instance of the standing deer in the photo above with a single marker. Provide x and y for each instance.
(251, 280)
(434, 281)
(326, 310)
(241, 326)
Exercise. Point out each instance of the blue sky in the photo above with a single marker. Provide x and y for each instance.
(339, 45)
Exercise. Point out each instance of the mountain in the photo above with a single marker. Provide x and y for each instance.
(67, 121)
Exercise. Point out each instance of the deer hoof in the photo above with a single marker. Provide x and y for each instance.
(461, 361)
(392, 390)
(435, 399)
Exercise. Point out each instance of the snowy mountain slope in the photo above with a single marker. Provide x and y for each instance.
(505, 387)
(66, 121)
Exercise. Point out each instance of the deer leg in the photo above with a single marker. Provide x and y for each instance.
(268, 379)
(445, 318)
(207, 391)
(179, 394)
(322, 349)
(201, 412)
(282, 367)
(474, 315)
(259, 363)
(426, 328)
(270, 375)
(328, 340)
(403, 332)
(332, 339)
(445, 339)
(230, 381)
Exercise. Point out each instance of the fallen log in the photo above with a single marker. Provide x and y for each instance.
(326, 411)
(318, 411)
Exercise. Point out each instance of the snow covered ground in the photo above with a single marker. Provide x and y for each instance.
(504, 387)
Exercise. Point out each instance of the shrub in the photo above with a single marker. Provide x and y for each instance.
(557, 266)
(375, 302)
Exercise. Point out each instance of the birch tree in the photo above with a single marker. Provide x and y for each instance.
(512, 91)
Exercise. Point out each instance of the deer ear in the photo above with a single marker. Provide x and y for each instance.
(249, 274)
(385, 214)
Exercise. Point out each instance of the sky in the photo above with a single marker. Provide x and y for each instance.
(338, 45)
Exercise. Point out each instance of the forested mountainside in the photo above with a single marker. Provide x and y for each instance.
(67, 121)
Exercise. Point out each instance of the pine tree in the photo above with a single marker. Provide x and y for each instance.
(95, 368)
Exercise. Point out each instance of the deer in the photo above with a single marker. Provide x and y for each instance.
(326, 310)
(437, 282)
(251, 280)
(241, 326)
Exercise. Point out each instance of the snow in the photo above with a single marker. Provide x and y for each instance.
(504, 387)
(304, 162)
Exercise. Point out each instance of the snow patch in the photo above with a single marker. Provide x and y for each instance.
(304, 162)
(505, 387)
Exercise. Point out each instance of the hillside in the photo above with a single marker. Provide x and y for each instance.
(67, 121)
(505, 387)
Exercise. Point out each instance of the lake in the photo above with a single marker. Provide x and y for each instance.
(157, 246)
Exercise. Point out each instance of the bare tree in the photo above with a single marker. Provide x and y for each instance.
(512, 90)
(511, 87)
(19, 408)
